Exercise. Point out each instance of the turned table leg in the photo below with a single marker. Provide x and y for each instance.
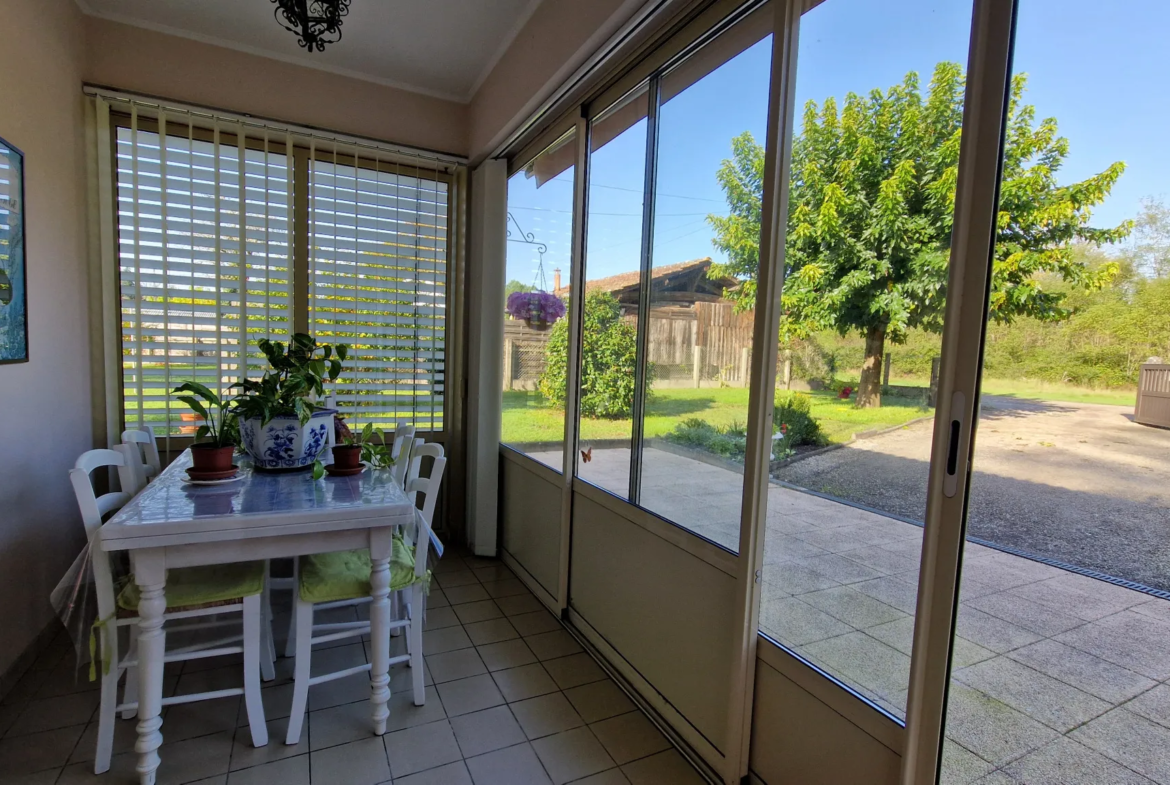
(150, 575)
(381, 543)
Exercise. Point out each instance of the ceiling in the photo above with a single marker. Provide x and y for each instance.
(443, 48)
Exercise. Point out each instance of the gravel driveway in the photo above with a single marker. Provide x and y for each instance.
(1079, 483)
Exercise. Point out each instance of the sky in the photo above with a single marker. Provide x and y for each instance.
(1099, 69)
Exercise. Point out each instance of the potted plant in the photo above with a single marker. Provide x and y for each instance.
(349, 454)
(281, 424)
(539, 310)
(219, 423)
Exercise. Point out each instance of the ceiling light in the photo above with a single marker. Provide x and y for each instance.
(316, 22)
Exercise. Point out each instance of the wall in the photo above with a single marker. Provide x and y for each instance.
(44, 403)
(558, 38)
(145, 61)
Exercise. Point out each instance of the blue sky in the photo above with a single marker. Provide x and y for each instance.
(1099, 69)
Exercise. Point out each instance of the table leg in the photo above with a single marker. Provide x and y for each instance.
(150, 575)
(381, 542)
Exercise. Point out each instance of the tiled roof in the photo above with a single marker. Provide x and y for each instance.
(625, 280)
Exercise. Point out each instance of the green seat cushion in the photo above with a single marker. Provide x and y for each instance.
(203, 585)
(345, 575)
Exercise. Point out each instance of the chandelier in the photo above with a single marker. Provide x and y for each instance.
(316, 22)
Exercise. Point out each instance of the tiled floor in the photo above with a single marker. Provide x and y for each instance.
(1058, 678)
(511, 700)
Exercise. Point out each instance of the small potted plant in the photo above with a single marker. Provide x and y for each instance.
(281, 424)
(213, 456)
(538, 309)
(350, 455)
(347, 453)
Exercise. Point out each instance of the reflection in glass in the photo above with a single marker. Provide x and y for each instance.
(699, 334)
(617, 167)
(875, 152)
(540, 233)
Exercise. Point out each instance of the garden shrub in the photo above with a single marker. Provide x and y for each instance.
(729, 442)
(794, 410)
(608, 361)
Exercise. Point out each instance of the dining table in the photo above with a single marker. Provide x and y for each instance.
(174, 522)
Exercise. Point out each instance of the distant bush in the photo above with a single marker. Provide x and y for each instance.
(793, 417)
(608, 360)
(729, 442)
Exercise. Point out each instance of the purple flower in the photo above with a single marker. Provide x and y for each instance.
(535, 306)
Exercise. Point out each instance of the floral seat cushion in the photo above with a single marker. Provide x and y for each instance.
(195, 586)
(345, 575)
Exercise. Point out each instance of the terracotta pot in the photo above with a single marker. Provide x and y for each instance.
(347, 456)
(209, 458)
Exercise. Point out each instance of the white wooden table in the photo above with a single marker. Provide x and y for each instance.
(261, 516)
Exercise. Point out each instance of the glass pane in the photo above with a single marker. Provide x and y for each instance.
(875, 150)
(712, 127)
(617, 179)
(1062, 652)
(536, 334)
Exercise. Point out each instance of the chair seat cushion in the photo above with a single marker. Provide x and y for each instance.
(345, 575)
(202, 586)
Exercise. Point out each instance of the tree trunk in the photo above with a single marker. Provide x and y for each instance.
(869, 390)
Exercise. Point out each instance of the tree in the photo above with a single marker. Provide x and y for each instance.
(1151, 247)
(871, 203)
(513, 286)
(608, 360)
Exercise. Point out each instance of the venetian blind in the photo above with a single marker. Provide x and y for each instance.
(378, 282)
(197, 291)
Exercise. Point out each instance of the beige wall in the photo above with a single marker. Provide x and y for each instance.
(144, 61)
(558, 38)
(44, 403)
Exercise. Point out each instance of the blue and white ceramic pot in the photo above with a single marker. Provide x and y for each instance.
(283, 443)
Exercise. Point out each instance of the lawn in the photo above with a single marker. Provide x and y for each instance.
(1035, 390)
(526, 419)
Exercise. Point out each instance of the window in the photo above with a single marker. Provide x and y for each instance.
(536, 330)
(351, 249)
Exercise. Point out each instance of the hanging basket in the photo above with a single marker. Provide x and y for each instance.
(539, 310)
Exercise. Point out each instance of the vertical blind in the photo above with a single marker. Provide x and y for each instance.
(378, 282)
(197, 292)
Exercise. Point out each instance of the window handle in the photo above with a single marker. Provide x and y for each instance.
(951, 480)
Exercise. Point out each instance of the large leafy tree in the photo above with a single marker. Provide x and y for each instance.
(871, 204)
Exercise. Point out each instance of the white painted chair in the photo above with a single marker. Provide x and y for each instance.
(144, 440)
(114, 615)
(327, 573)
(403, 438)
(403, 441)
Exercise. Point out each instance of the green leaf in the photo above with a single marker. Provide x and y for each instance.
(196, 406)
(343, 351)
(201, 431)
(200, 390)
(334, 369)
(318, 470)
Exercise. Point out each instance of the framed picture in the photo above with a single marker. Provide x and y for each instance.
(13, 296)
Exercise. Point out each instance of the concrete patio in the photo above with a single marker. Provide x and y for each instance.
(1058, 677)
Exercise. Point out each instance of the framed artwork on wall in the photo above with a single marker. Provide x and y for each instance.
(13, 296)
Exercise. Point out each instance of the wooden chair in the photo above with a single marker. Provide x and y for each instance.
(327, 581)
(191, 593)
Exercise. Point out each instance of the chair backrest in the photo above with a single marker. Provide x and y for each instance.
(94, 508)
(429, 487)
(144, 437)
(400, 452)
(415, 466)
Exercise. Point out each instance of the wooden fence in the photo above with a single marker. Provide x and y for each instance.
(706, 344)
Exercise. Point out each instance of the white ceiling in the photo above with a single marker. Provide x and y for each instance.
(444, 48)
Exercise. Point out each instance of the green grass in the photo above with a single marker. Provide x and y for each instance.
(526, 419)
(1032, 389)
